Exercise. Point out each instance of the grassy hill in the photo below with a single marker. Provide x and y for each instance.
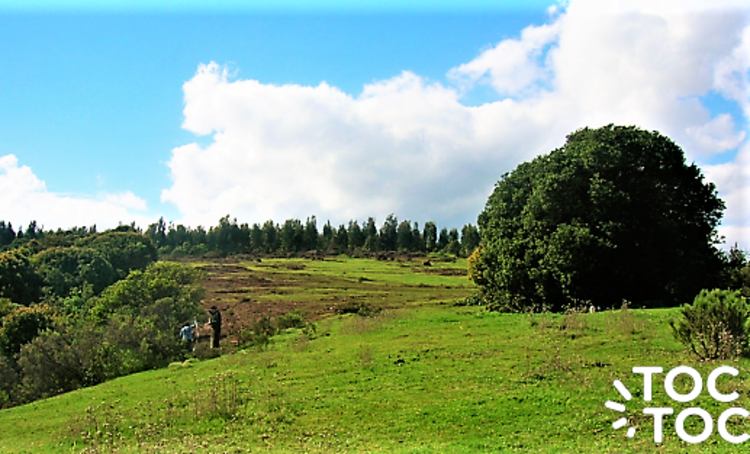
(421, 376)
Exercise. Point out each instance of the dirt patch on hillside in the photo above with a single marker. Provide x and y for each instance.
(235, 290)
(246, 291)
(442, 271)
(234, 279)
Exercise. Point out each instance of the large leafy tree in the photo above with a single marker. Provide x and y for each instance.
(21, 326)
(63, 269)
(18, 280)
(124, 250)
(167, 293)
(614, 214)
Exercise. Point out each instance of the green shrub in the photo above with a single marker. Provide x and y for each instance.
(475, 299)
(356, 307)
(22, 325)
(7, 306)
(51, 364)
(260, 334)
(64, 268)
(204, 351)
(169, 292)
(124, 250)
(738, 271)
(715, 326)
(294, 319)
(19, 282)
(8, 381)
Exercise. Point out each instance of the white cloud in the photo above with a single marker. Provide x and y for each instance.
(732, 73)
(512, 66)
(733, 181)
(409, 146)
(26, 198)
(126, 200)
(290, 151)
(718, 135)
(15, 182)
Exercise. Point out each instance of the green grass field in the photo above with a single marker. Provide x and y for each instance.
(422, 376)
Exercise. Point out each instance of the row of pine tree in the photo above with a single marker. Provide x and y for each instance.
(291, 237)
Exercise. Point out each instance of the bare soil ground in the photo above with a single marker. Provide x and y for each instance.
(246, 290)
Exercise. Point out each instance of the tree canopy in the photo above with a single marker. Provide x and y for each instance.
(614, 214)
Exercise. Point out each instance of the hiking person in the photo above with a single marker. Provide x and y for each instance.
(214, 321)
(187, 332)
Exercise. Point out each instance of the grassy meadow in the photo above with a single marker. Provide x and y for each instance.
(420, 376)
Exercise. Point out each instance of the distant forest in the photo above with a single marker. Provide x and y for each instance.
(293, 237)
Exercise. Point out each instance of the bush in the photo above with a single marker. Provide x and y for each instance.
(260, 334)
(77, 355)
(51, 365)
(8, 382)
(738, 271)
(168, 290)
(63, 269)
(475, 267)
(203, 351)
(124, 250)
(22, 325)
(7, 306)
(715, 326)
(475, 299)
(294, 319)
(356, 307)
(18, 280)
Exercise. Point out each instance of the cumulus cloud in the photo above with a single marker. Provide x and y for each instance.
(289, 151)
(514, 65)
(718, 135)
(26, 198)
(126, 200)
(409, 146)
(731, 73)
(733, 180)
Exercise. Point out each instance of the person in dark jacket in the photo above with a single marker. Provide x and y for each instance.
(214, 321)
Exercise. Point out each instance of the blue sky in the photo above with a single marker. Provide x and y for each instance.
(92, 101)
(121, 111)
(275, 6)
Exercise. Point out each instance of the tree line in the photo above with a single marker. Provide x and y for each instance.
(295, 237)
(270, 238)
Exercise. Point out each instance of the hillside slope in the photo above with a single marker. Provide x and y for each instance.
(424, 377)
